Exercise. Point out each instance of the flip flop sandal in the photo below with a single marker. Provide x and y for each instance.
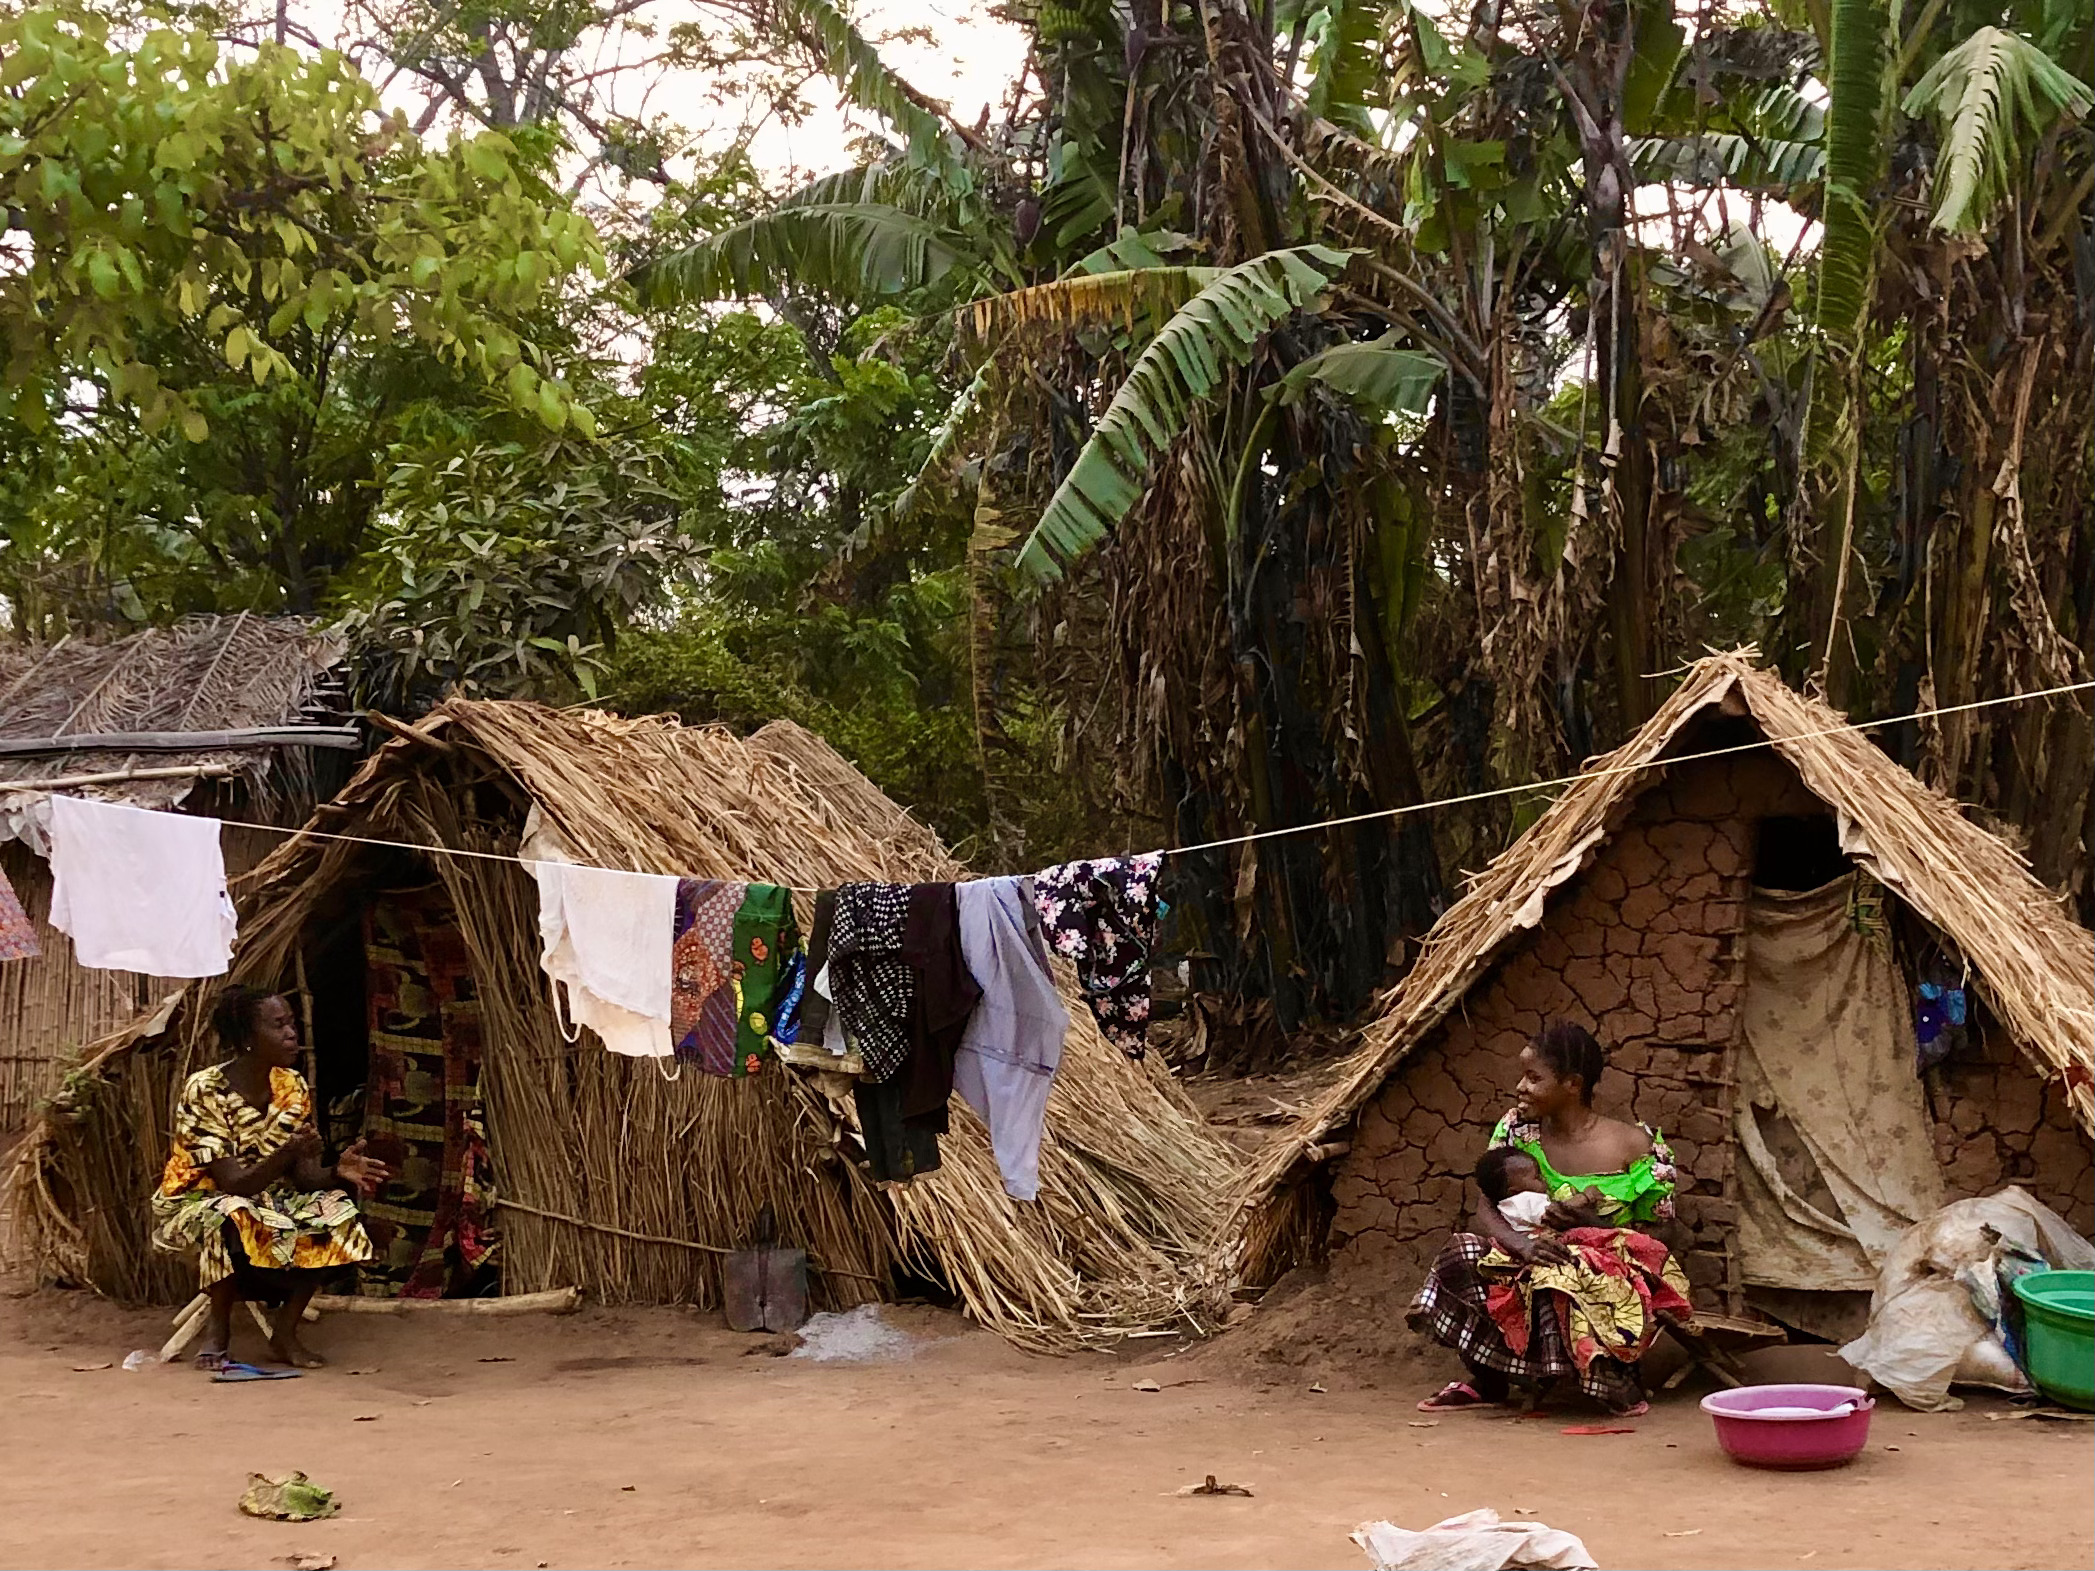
(1453, 1398)
(232, 1372)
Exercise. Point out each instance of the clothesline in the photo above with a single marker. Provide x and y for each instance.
(1561, 782)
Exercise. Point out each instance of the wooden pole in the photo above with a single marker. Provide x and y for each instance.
(560, 1301)
(114, 776)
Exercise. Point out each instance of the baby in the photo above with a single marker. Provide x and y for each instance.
(1512, 1181)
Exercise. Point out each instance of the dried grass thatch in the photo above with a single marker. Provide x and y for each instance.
(208, 673)
(610, 1175)
(2033, 964)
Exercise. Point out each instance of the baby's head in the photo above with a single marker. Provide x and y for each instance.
(1507, 1170)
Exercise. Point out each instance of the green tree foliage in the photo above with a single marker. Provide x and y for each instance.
(236, 291)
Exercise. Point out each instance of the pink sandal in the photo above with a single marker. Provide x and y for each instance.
(1453, 1398)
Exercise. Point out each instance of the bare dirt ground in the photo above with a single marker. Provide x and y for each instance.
(653, 1439)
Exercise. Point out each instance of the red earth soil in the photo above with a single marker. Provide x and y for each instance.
(653, 1439)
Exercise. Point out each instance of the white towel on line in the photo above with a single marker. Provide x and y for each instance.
(140, 890)
(606, 939)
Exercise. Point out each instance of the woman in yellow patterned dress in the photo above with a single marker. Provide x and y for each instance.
(245, 1187)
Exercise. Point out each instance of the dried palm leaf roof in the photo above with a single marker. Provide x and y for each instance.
(1133, 1185)
(2033, 964)
(205, 674)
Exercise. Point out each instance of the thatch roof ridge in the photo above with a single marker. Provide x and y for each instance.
(205, 674)
(2035, 965)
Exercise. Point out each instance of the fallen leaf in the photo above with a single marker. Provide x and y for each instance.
(1891, 1448)
(497, 1360)
(1208, 1486)
(307, 1562)
(1686, 1532)
(1147, 1385)
(1422, 1423)
(365, 1418)
(628, 1489)
(88, 1369)
(294, 1498)
(1317, 1386)
(1525, 1510)
(363, 1371)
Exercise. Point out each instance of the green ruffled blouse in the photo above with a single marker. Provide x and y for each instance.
(1644, 1193)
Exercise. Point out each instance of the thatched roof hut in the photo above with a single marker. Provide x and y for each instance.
(231, 716)
(1626, 906)
(607, 1175)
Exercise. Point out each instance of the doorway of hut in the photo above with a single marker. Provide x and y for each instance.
(394, 1039)
(1836, 1154)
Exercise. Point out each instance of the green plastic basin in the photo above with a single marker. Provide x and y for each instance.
(2058, 1322)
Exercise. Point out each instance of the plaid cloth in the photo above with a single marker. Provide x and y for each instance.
(1454, 1309)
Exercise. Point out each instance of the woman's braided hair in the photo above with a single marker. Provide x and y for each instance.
(1570, 1049)
(233, 1014)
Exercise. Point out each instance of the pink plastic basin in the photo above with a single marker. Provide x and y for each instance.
(1791, 1426)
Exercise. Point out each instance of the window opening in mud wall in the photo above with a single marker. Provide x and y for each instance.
(1797, 853)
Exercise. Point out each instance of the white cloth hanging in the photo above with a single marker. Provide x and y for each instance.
(1006, 1063)
(139, 890)
(607, 937)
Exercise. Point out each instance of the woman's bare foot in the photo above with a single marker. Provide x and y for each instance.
(289, 1350)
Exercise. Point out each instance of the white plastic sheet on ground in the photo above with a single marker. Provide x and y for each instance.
(1925, 1332)
(1474, 1541)
(854, 1336)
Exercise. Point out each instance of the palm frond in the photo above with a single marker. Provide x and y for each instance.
(945, 445)
(1383, 375)
(1133, 251)
(1346, 65)
(1854, 152)
(1727, 158)
(1184, 364)
(1992, 96)
(867, 83)
(892, 181)
(1768, 141)
(846, 250)
(1088, 300)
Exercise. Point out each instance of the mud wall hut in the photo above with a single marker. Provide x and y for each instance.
(237, 716)
(1634, 907)
(604, 1174)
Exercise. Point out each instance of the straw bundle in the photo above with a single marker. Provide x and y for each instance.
(2032, 963)
(615, 1173)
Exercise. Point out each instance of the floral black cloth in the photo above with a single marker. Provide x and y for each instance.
(870, 979)
(1103, 916)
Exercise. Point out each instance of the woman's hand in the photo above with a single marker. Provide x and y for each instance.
(1581, 1210)
(363, 1172)
(1541, 1249)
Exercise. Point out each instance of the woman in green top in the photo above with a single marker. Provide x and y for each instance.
(1600, 1173)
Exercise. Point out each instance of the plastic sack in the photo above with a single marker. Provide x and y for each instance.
(1474, 1541)
(1928, 1327)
